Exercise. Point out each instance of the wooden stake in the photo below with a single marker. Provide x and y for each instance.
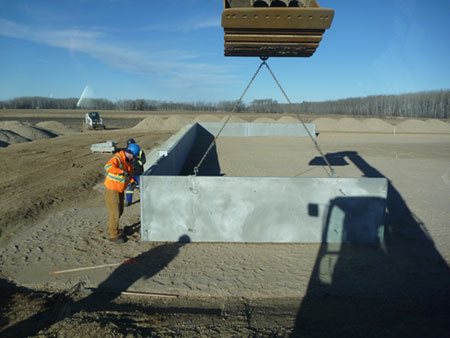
(148, 294)
(130, 261)
(136, 293)
(87, 268)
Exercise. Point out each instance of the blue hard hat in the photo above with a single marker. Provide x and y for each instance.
(134, 149)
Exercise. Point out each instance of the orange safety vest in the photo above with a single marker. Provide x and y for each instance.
(115, 180)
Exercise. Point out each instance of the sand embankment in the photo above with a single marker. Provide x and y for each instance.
(12, 132)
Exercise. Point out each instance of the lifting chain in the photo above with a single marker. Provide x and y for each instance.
(331, 173)
(263, 59)
(238, 102)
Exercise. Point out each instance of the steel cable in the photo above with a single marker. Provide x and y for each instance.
(196, 168)
(331, 174)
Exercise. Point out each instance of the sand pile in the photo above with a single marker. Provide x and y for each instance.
(234, 119)
(326, 124)
(56, 127)
(288, 119)
(8, 137)
(206, 118)
(26, 130)
(438, 126)
(323, 124)
(349, 124)
(150, 123)
(377, 126)
(411, 126)
(430, 126)
(175, 122)
(264, 120)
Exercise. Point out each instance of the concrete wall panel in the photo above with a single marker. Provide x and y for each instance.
(261, 129)
(262, 209)
(170, 158)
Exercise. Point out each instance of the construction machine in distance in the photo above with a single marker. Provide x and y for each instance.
(280, 28)
(93, 121)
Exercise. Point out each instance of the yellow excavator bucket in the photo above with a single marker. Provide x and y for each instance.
(267, 28)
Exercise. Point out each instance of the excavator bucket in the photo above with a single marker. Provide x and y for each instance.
(267, 28)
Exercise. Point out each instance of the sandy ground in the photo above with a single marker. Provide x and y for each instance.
(53, 217)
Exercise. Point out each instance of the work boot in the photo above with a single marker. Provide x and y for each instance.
(127, 204)
(127, 231)
(118, 240)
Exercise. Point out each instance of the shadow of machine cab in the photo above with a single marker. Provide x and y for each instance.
(93, 121)
(281, 28)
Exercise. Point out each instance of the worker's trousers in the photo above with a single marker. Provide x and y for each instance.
(114, 203)
(130, 190)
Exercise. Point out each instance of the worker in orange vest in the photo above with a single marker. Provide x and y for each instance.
(119, 172)
(138, 169)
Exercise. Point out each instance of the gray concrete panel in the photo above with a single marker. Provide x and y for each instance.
(262, 209)
(260, 129)
(230, 129)
(281, 129)
(106, 147)
(170, 158)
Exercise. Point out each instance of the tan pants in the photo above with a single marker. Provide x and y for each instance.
(114, 203)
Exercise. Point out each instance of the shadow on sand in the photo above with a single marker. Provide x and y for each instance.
(143, 266)
(397, 288)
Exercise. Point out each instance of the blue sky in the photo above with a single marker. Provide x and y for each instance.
(173, 50)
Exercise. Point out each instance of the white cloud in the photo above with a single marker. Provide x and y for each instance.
(173, 65)
(194, 24)
(204, 24)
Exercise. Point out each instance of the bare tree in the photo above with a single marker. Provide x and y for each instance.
(432, 104)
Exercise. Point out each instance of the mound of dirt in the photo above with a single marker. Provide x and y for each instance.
(264, 120)
(8, 137)
(206, 118)
(26, 130)
(350, 124)
(326, 124)
(175, 122)
(150, 123)
(377, 126)
(56, 127)
(412, 126)
(288, 119)
(234, 119)
(438, 126)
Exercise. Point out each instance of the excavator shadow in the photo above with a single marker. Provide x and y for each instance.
(395, 288)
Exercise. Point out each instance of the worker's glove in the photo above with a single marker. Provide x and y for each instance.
(126, 175)
(133, 185)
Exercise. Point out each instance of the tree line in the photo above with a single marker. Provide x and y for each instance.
(430, 104)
